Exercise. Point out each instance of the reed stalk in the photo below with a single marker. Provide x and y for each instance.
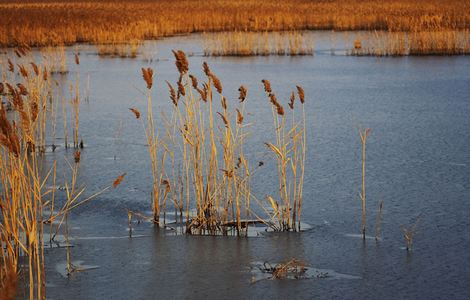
(364, 134)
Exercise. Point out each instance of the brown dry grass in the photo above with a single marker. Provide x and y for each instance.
(50, 22)
(257, 43)
(429, 42)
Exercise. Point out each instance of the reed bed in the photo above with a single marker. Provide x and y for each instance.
(242, 43)
(210, 184)
(47, 22)
(23, 193)
(435, 42)
(121, 50)
(27, 110)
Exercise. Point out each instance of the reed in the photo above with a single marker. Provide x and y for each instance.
(22, 199)
(437, 41)
(75, 102)
(28, 90)
(211, 184)
(289, 149)
(364, 134)
(409, 232)
(128, 49)
(378, 221)
(46, 22)
(243, 43)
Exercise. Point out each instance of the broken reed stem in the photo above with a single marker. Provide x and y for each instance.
(378, 221)
(363, 135)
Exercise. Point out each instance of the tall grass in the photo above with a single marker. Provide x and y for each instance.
(437, 41)
(26, 88)
(289, 149)
(242, 43)
(122, 50)
(47, 22)
(200, 162)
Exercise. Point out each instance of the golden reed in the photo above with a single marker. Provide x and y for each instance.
(48, 22)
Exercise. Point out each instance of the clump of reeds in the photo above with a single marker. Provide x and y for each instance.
(289, 150)
(242, 43)
(121, 50)
(436, 41)
(409, 232)
(211, 185)
(27, 89)
(21, 205)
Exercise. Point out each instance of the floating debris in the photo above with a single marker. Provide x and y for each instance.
(292, 269)
(77, 266)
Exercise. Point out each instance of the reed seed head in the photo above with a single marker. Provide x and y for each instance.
(77, 59)
(35, 68)
(118, 180)
(224, 103)
(147, 74)
(243, 92)
(273, 99)
(193, 81)
(239, 162)
(301, 93)
(172, 91)
(206, 69)
(11, 66)
(136, 112)
(267, 86)
(8, 135)
(224, 119)
(239, 117)
(181, 61)
(203, 93)
(292, 100)
(44, 74)
(181, 90)
(217, 84)
(23, 71)
(34, 111)
(76, 156)
(22, 89)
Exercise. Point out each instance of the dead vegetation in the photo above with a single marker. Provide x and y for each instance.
(243, 43)
(210, 188)
(46, 22)
(293, 269)
(27, 185)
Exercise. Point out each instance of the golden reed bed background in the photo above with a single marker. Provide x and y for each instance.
(41, 23)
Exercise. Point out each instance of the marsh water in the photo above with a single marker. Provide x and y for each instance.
(418, 163)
